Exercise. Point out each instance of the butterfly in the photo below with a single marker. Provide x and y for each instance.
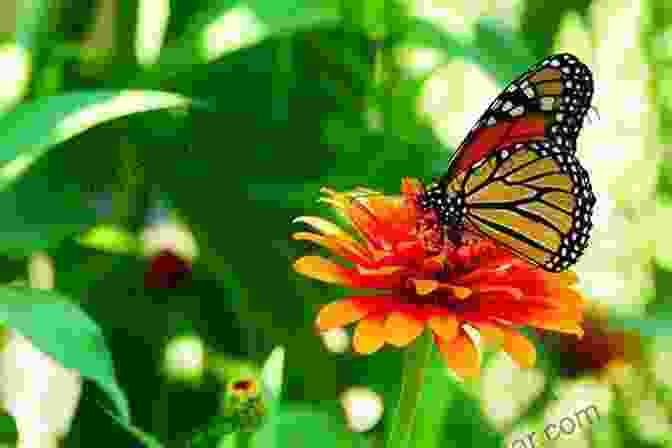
(515, 178)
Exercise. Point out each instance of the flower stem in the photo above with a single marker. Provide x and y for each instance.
(416, 358)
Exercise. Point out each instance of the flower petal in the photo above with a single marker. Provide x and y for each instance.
(338, 314)
(346, 249)
(519, 347)
(369, 336)
(320, 268)
(444, 326)
(325, 227)
(515, 293)
(557, 321)
(561, 279)
(401, 329)
(491, 333)
(461, 355)
(424, 287)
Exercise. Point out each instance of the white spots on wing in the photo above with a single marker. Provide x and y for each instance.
(546, 103)
(520, 110)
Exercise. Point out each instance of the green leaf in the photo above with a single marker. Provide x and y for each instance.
(231, 25)
(299, 426)
(147, 439)
(421, 33)
(35, 127)
(659, 324)
(500, 50)
(272, 374)
(61, 329)
(540, 22)
(33, 174)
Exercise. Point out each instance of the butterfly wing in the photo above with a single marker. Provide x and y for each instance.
(534, 198)
(548, 102)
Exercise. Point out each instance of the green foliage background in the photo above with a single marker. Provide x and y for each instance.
(238, 144)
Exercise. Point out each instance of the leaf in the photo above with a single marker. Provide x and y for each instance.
(34, 128)
(231, 25)
(421, 33)
(659, 324)
(300, 426)
(272, 374)
(59, 328)
(33, 174)
(500, 50)
(540, 22)
(147, 439)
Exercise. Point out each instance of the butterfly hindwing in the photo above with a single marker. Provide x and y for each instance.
(533, 197)
(548, 102)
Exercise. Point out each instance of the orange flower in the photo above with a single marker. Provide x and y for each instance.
(425, 281)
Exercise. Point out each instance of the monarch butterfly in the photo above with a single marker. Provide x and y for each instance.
(515, 178)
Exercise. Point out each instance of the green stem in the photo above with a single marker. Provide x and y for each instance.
(244, 439)
(416, 358)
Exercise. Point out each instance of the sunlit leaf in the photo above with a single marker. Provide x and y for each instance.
(33, 128)
(229, 25)
(272, 373)
(59, 328)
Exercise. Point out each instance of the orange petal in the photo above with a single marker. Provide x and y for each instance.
(320, 268)
(566, 298)
(338, 314)
(424, 287)
(513, 292)
(556, 321)
(369, 336)
(445, 327)
(491, 333)
(461, 355)
(461, 292)
(401, 329)
(561, 279)
(345, 248)
(519, 347)
(325, 227)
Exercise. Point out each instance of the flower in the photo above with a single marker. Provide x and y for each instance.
(601, 350)
(423, 281)
(167, 270)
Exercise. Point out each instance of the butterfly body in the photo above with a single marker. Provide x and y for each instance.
(515, 178)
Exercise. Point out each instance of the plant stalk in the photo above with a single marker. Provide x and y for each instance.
(416, 359)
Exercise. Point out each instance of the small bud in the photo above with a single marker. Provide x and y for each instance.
(244, 400)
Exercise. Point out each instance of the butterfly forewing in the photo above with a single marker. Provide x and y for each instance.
(548, 102)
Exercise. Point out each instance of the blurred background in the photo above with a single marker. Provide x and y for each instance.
(171, 228)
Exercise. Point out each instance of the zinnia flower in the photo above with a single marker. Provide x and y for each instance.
(424, 281)
(601, 349)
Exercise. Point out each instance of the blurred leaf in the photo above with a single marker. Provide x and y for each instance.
(229, 25)
(272, 374)
(317, 428)
(8, 431)
(421, 33)
(147, 440)
(540, 22)
(658, 323)
(34, 128)
(61, 329)
(499, 50)
(31, 131)
(76, 18)
(34, 20)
